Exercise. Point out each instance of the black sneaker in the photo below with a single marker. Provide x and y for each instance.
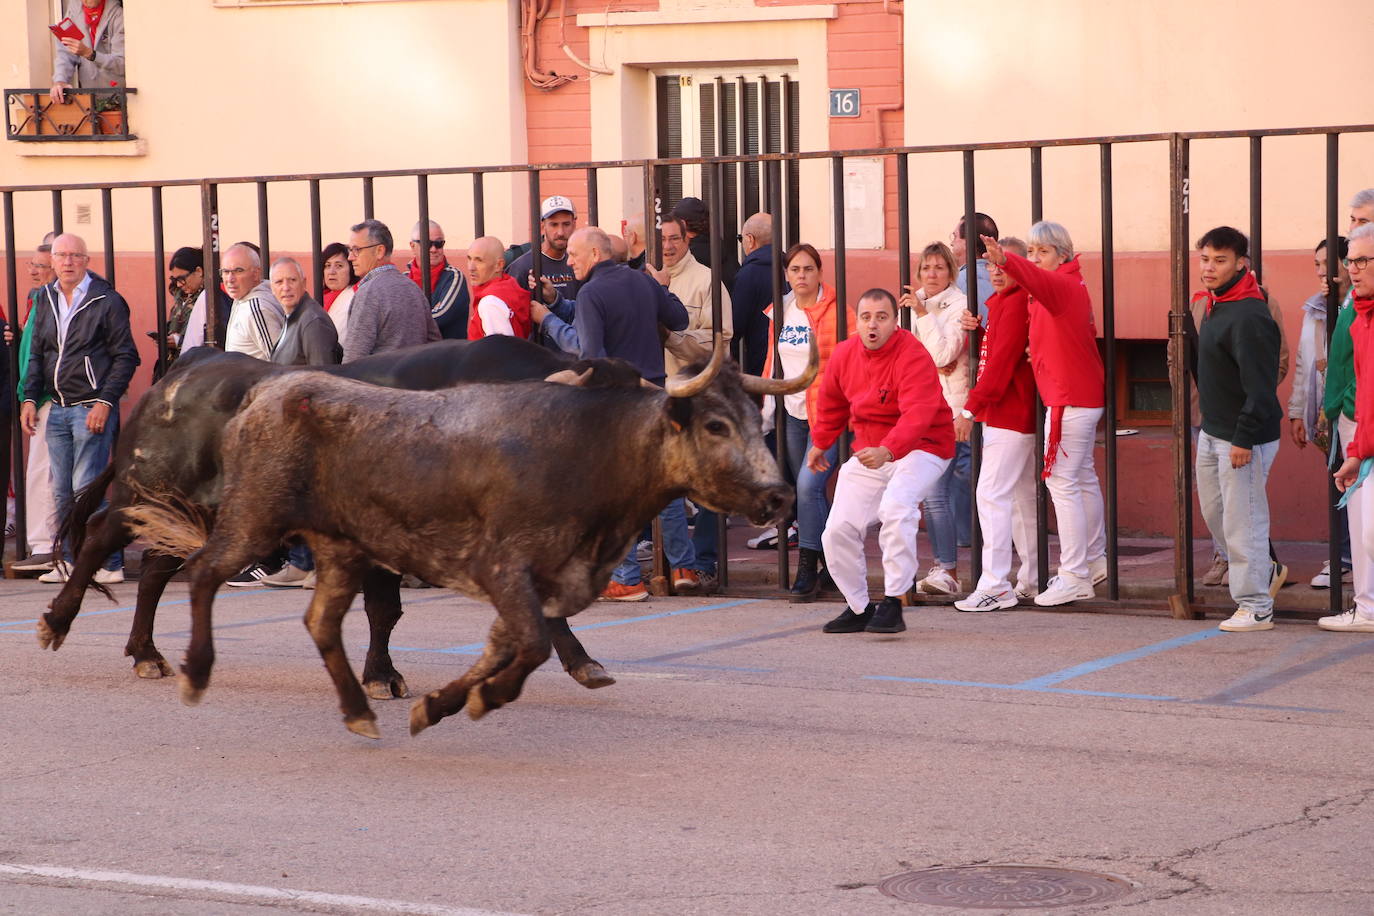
(887, 616)
(850, 622)
(251, 577)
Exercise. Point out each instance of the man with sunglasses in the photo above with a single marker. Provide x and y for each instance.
(449, 297)
(388, 311)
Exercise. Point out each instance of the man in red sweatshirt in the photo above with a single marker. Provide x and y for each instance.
(1003, 399)
(1360, 262)
(883, 383)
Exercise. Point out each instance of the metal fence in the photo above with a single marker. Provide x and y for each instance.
(773, 169)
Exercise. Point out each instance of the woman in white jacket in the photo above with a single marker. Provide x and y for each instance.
(938, 305)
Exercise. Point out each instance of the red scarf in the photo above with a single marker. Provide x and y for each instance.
(516, 297)
(413, 271)
(93, 15)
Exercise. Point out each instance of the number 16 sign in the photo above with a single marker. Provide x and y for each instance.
(844, 103)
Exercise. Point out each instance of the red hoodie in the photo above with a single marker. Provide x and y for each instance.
(509, 291)
(890, 397)
(1362, 335)
(1003, 395)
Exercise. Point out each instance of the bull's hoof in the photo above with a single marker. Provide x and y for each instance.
(592, 676)
(365, 725)
(477, 705)
(48, 638)
(153, 668)
(419, 717)
(392, 688)
(190, 694)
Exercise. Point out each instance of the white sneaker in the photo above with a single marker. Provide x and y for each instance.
(109, 576)
(987, 601)
(1063, 589)
(1349, 622)
(644, 551)
(57, 575)
(1242, 621)
(1098, 570)
(938, 582)
(1026, 591)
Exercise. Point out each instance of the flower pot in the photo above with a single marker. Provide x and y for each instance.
(111, 122)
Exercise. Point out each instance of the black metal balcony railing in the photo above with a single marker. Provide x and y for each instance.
(1174, 147)
(87, 115)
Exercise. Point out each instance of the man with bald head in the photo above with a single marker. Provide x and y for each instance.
(753, 293)
(632, 231)
(448, 288)
(256, 318)
(82, 355)
(503, 303)
(388, 311)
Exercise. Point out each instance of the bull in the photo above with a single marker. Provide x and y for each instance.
(171, 447)
(526, 494)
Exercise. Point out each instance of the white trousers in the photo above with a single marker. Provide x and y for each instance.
(1076, 493)
(40, 512)
(1360, 518)
(1006, 508)
(890, 495)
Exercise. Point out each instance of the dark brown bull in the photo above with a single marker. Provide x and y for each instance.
(526, 494)
(171, 448)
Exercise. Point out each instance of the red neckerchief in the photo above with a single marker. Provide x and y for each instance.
(413, 271)
(93, 15)
(1244, 287)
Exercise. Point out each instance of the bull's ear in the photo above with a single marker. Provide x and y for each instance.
(679, 411)
(569, 377)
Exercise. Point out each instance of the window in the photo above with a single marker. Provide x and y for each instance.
(1143, 395)
(713, 113)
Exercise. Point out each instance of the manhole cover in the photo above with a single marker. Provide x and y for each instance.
(1005, 887)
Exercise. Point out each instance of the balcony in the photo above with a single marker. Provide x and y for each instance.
(87, 116)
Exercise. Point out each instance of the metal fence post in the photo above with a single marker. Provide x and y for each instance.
(716, 222)
(160, 280)
(316, 241)
(971, 243)
(773, 168)
(1333, 305)
(422, 259)
(107, 233)
(1109, 349)
(1042, 495)
(903, 234)
(21, 535)
(209, 227)
(1181, 602)
(264, 232)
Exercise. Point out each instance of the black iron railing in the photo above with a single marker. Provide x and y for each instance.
(86, 115)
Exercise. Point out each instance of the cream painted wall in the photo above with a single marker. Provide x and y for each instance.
(323, 87)
(623, 104)
(1085, 68)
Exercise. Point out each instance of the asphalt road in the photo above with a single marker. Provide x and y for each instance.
(744, 763)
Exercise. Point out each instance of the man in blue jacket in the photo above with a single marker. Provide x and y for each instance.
(753, 293)
(82, 355)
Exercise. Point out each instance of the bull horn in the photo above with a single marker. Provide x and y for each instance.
(696, 384)
(569, 377)
(754, 384)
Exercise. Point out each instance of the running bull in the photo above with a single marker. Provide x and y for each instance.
(525, 494)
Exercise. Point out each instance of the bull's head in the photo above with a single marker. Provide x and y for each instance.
(718, 443)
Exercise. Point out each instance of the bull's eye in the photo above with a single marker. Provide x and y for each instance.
(717, 428)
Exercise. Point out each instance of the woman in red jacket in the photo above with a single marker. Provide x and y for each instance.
(1003, 399)
(883, 383)
(1068, 373)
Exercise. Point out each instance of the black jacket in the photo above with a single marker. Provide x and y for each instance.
(752, 294)
(309, 338)
(96, 359)
(700, 247)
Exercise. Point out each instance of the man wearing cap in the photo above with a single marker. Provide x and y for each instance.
(692, 211)
(557, 221)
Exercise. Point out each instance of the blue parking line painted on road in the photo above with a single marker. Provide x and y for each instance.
(478, 646)
(1023, 687)
(1111, 661)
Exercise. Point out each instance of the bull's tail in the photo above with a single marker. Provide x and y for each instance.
(71, 531)
(171, 524)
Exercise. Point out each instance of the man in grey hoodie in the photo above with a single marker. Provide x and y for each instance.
(257, 318)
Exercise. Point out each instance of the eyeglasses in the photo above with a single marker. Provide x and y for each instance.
(1356, 263)
(70, 256)
(230, 272)
(179, 280)
(37, 266)
(353, 250)
(436, 244)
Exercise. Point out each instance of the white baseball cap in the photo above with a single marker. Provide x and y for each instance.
(556, 204)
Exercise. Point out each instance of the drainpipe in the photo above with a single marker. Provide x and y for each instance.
(894, 9)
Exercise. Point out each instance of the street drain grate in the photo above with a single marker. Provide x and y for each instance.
(1005, 887)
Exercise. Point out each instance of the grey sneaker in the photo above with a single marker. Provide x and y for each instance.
(38, 562)
(287, 577)
(1218, 572)
(1278, 574)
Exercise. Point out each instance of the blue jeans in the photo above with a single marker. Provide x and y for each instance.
(78, 456)
(677, 544)
(706, 540)
(940, 508)
(1236, 509)
(961, 490)
(813, 506)
(299, 556)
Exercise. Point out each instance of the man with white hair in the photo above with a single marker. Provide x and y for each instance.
(82, 355)
(1357, 441)
(256, 318)
(753, 293)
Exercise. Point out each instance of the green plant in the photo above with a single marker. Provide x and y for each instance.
(107, 101)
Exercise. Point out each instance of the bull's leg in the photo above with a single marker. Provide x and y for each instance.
(523, 614)
(105, 534)
(450, 698)
(339, 571)
(153, 576)
(584, 669)
(382, 603)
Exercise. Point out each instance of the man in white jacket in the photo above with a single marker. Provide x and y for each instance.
(257, 318)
